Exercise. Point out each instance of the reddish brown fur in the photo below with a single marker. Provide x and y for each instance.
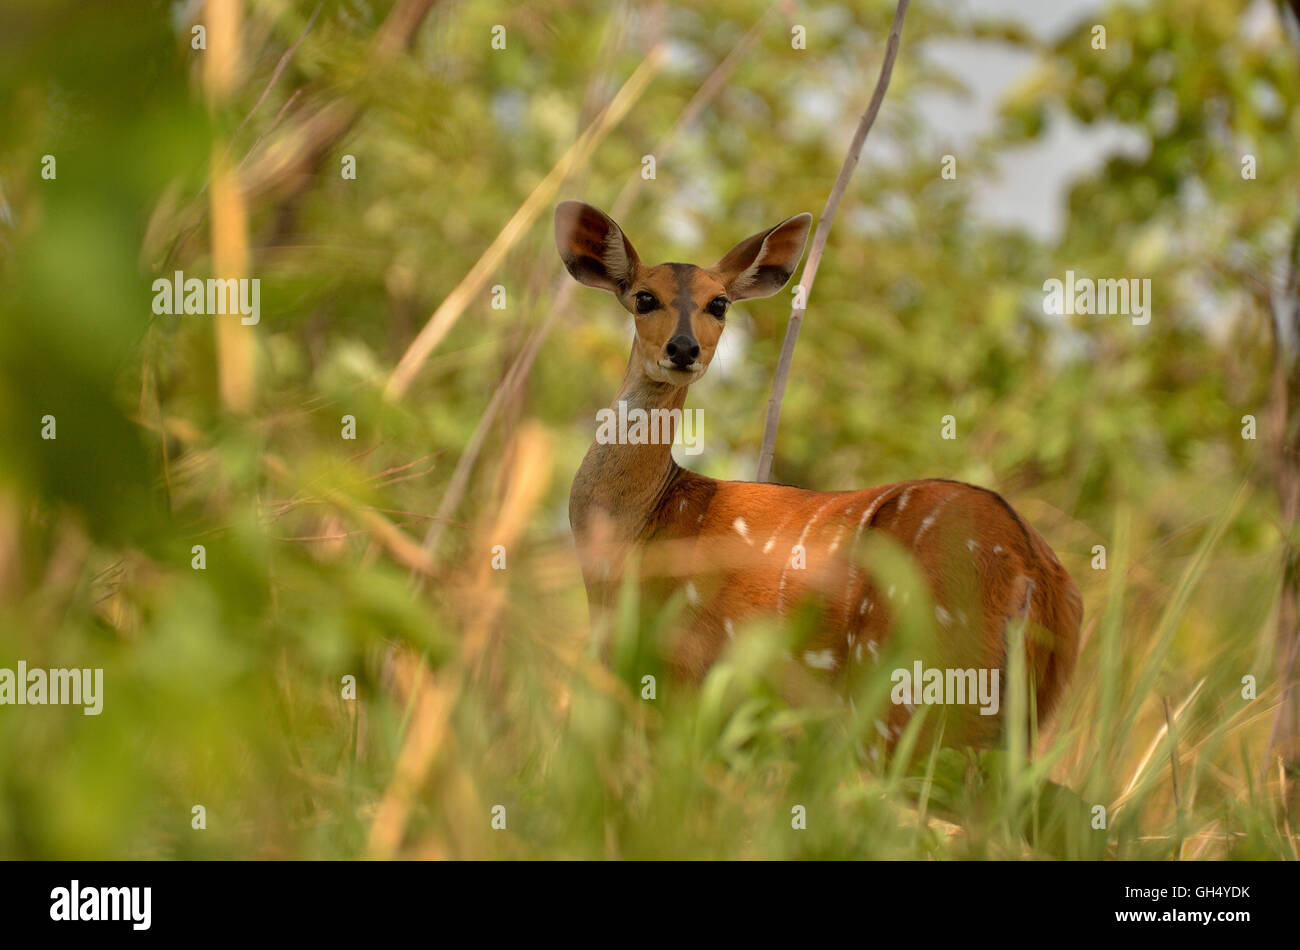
(730, 543)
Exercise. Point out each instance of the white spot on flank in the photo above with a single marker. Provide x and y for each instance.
(731, 630)
(692, 595)
(780, 591)
(772, 540)
(857, 653)
(866, 516)
(682, 506)
(929, 520)
(943, 616)
(997, 549)
(926, 523)
(902, 501)
(820, 660)
(871, 648)
(742, 529)
(836, 543)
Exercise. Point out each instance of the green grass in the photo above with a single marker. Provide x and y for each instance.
(448, 724)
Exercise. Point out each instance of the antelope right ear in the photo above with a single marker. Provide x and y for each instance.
(594, 249)
(762, 264)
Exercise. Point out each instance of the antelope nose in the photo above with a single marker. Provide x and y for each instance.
(682, 350)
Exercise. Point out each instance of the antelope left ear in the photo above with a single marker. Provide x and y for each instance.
(761, 265)
(594, 249)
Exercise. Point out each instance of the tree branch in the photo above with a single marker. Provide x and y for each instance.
(819, 244)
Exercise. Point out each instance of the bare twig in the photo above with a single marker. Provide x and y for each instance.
(819, 244)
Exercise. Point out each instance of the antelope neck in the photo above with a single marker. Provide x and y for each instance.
(624, 481)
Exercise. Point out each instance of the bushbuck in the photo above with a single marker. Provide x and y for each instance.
(738, 549)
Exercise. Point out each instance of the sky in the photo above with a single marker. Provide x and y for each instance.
(1030, 188)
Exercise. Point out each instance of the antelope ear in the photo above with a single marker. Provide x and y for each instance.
(761, 265)
(594, 249)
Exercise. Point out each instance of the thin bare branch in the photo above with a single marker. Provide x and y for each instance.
(819, 244)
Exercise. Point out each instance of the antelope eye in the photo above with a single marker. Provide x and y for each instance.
(718, 307)
(645, 302)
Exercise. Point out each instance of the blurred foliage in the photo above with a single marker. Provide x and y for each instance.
(223, 685)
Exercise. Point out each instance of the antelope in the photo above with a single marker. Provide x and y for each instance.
(728, 544)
